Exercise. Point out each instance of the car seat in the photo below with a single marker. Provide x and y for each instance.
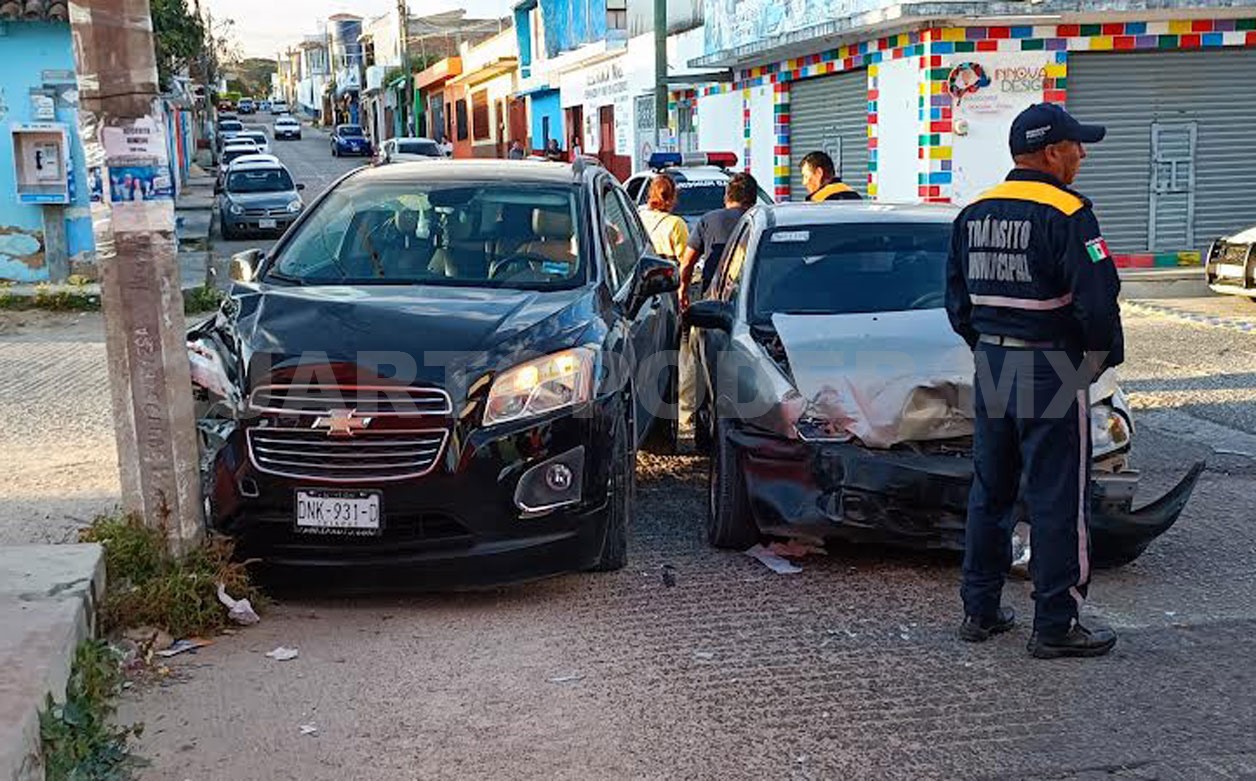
(460, 255)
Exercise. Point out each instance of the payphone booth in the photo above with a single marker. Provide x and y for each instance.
(41, 155)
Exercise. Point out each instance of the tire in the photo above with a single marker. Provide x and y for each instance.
(623, 494)
(729, 524)
(227, 233)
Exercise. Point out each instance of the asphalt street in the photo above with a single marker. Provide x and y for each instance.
(847, 670)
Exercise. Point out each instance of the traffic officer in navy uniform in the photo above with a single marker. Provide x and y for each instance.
(821, 180)
(1032, 288)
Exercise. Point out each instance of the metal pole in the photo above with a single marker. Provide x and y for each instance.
(407, 101)
(660, 71)
(122, 125)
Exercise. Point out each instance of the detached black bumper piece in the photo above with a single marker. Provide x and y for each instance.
(918, 500)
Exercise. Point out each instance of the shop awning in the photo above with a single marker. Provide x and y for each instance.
(523, 93)
(490, 70)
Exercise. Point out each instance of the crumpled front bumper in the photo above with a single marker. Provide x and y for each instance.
(833, 490)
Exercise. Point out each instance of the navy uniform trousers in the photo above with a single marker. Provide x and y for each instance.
(1030, 446)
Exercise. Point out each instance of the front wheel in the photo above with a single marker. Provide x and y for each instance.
(622, 502)
(729, 524)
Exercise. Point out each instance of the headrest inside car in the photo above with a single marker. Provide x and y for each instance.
(547, 224)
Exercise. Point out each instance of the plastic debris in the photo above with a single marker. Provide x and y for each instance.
(183, 646)
(148, 640)
(238, 610)
(309, 729)
(669, 575)
(567, 679)
(703, 656)
(772, 561)
(283, 654)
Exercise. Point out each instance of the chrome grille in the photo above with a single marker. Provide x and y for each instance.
(366, 456)
(255, 213)
(364, 400)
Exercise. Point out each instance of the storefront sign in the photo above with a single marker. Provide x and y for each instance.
(734, 23)
(992, 87)
(43, 107)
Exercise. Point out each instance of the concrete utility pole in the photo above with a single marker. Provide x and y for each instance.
(407, 107)
(660, 72)
(122, 128)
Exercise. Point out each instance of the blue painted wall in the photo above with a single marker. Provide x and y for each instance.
(31, 48)
(570, 24)
(547, 104)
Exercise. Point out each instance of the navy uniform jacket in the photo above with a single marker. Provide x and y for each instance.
(834, 191)
(1027, 261)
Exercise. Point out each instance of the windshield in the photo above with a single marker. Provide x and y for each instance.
(264, 180)
(696, 197)
(426, 148)
(513, 235)
(258, 138)
(230, 126)
(350, 130)
(850, 268)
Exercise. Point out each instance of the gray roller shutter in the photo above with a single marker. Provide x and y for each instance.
(1178, 167)
(830, 114)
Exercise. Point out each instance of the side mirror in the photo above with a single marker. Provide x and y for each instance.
(300, 185)
(244, 265)
(654, 277)
(709, 314)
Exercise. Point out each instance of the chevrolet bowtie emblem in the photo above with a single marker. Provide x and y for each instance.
(342, 422)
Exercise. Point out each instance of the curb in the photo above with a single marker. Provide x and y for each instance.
(48, 598)
(1216, 321)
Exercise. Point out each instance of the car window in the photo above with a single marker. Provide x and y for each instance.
(850, 268)
(640, 238)
(230, 126)
(261, 180)
(636, 188)
(426, 148)
(728, 285)
(350, 130)
(617, 236)
(488, 235)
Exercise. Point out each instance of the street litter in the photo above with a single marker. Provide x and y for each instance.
(309, 729)
(183, 646)
(669, 575)
(797, 549)
(283, 654)
(148, 639)
(566, 679)
(238, 610)
(772, 561)
(704, 656)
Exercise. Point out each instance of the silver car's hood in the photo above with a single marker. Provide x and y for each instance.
(885, 378)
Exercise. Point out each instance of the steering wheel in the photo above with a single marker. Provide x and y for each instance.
(520, 262)
(930, 300)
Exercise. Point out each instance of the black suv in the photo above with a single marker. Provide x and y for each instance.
(439, 367)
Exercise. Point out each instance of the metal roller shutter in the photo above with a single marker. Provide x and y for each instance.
(1185, 110)
(830, 114)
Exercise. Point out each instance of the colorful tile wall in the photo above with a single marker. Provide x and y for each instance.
(929, 47)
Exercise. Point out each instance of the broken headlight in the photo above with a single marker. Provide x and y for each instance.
(1109, 431)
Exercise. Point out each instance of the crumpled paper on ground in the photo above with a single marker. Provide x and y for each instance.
(238, 610)
(772, 561)
(283, 654)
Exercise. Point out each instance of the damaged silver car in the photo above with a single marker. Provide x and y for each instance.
(837, 401)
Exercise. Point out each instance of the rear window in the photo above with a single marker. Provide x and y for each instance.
(260, 180)
(850, 268)
(696, 197)
(230, 125)
(427, 148)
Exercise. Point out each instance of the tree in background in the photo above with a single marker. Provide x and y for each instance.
(179, 37)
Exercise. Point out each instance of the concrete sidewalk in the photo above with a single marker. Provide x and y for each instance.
(48, 597)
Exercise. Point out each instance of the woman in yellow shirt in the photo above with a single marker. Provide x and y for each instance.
(668, 233)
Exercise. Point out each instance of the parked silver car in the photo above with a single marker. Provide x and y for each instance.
(258, 196)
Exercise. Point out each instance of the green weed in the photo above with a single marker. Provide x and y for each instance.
(202, 299)
(79, 741)
(147, 586)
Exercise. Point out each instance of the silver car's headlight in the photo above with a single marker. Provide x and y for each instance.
(554, 382)
(1109, 431)
(236, 209)
(295, 206)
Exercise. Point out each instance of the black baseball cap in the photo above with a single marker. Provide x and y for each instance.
(1043, 124)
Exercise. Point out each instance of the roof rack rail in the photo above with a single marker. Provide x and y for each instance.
(584, 161)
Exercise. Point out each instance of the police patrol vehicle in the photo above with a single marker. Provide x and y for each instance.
(700, 181)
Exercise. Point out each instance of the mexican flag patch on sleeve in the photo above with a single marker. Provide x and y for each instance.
(1098, 250)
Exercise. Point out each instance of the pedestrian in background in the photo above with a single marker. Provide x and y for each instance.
(821, 180)
(576, 149)
(701, 257)
(516, 151)
(1032, 288)
(668, 233)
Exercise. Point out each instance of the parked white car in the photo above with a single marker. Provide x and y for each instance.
(259, 138)
(408, 150)
(1230, 266)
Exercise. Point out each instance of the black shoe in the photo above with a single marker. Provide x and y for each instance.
(1078, 642)
(979, 630)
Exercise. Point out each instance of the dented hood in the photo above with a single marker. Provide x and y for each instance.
(882, 378)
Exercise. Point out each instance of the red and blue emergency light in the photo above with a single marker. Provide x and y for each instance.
(660, 160)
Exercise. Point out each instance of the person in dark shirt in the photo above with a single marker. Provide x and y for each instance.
(1032, 288)
(702, 254)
